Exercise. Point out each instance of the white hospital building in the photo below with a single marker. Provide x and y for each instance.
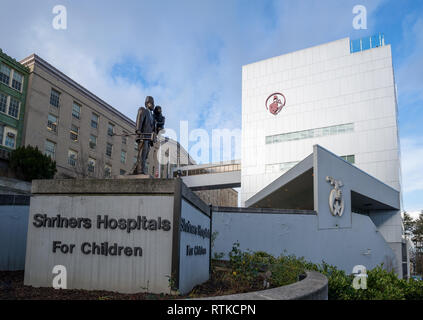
(340, 95)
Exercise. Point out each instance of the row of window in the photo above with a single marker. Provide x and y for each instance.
(76, 113)
(50, 150)
(311, 133)
(285, 166)
(74, 135)
(277, 167)
(11, 77)
(349, 158)
(9, 105)
(92, 144)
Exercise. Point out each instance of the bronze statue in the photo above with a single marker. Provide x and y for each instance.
(145, 131)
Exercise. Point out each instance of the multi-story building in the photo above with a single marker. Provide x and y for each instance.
(80, 131)
(13, 88)
(340, 95)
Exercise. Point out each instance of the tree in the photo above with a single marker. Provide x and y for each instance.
(29, 163)
(408, 223)
(418, 243)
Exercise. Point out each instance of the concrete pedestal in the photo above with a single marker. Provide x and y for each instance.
(124, 235)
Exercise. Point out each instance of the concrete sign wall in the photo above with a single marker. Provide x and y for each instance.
(194, 247)
(115, 235)
(191, 262)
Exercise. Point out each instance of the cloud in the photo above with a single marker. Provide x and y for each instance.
(189, 53)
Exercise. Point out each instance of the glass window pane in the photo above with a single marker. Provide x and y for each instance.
(109, 148)
(17, 81)
(50, 149)
(14, 107)
(52, 123)
(94, 121)
(110, 129)
(3, 102)
(76, 110)
(4, 74)
(54, 98)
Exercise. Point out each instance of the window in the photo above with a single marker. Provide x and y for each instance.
(72, 157)
(123, 156)
(136, 146)
(4, 74)
(10, 140)
(135, 159)
(94, 121)
(349, 158)
(110, 129)
(52, 123)
(91, 165)
(124, 138)
(50, 149)
(14, 107)
(107, 171)
(279, 167)
(1, 133)
(3, 102)
(311, 133)
(122, 172)
(74, 133)
(54, 98)
(93, 141)
(76, 110)
(109, 148)
(17, 81)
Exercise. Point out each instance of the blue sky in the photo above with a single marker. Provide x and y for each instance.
(189, 54)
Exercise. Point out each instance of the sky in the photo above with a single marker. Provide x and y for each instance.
(190, 53)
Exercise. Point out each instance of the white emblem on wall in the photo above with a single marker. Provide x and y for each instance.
(336, 200)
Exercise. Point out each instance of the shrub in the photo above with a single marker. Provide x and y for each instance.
(261, 269)
(252, 267)
(29, 163)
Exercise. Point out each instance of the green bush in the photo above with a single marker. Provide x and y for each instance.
(412, 289)
(260, 267)
(29, 163)
(253, 267)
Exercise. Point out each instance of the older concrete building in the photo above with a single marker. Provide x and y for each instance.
(83, 133)
(74, 126)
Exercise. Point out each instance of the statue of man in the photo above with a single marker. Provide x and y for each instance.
(144, 134)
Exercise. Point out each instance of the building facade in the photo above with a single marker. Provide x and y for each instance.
(335, 95)
(13, 89)
(81, 132)
(84, 134)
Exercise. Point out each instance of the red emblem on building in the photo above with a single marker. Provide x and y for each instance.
(275, 102)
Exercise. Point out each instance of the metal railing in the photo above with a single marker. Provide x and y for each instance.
(366, 43)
